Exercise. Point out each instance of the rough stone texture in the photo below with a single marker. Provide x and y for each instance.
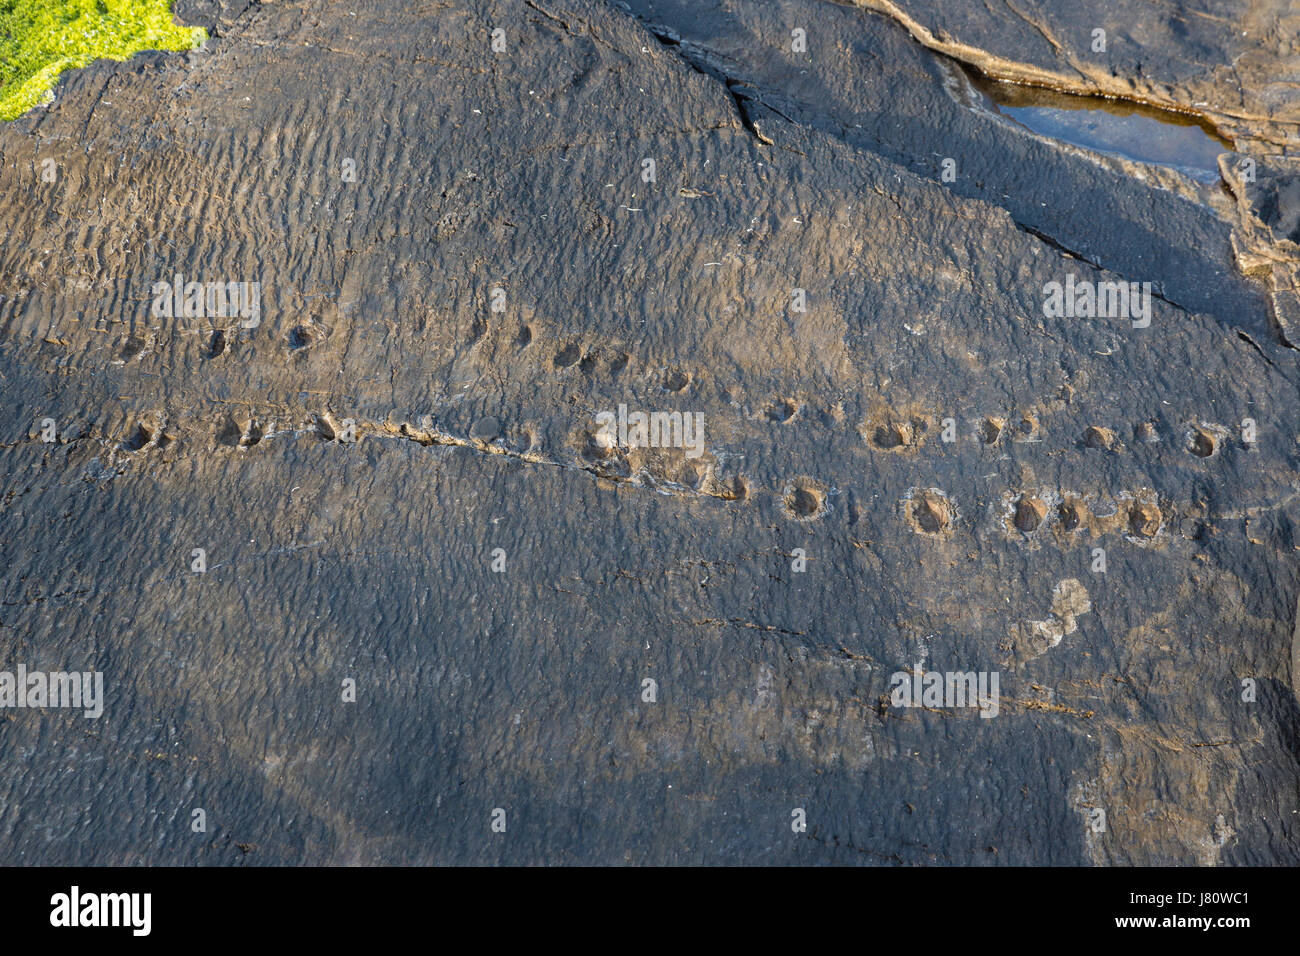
(1236, 62)
(1233, 63)
(371, 559)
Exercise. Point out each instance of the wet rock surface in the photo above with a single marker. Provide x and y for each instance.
(397, 476)
(1233, 61)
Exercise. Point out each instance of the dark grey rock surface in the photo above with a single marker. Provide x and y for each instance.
(1234, 61)
(350, 465)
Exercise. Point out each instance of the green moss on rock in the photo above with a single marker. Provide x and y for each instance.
(39, 39)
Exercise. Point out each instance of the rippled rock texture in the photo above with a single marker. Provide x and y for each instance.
(392, 474)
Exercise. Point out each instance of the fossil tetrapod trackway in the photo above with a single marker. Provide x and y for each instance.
(349, 465)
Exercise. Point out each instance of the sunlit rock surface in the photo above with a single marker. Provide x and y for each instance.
(461, 263)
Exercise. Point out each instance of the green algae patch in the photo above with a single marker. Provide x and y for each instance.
(40, 39)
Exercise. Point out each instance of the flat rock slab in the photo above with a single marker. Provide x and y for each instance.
(395, 475)
(1234, 61)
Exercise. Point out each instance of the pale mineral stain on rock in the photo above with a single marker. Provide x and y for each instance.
(1069, 602)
